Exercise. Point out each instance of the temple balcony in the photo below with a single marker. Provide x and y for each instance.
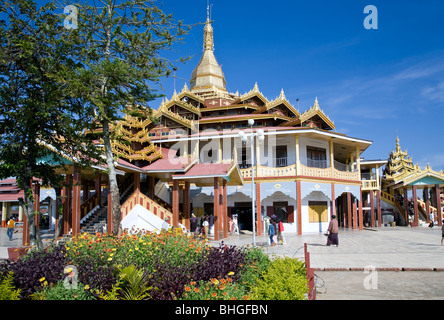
(313, 168)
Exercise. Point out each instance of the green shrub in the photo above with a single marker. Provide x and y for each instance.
(284, 279)
(7, 289)
(59, 292)
(256, 263)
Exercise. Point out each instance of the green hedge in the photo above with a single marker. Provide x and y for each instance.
(284, 279)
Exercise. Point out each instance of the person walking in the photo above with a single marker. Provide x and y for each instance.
(281, 236)
(272, 232)
(235, 225)
(10, 231)
(442, 231)
(333, 230)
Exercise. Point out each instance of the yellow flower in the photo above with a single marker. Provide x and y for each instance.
(109, 259)
(230, 273)
(42, 279)
(87, 287)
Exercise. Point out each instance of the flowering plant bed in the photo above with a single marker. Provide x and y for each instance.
(165, 266)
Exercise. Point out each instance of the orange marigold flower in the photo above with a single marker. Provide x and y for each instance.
(187, 288)
(196, 289)
(221, 287)
(214, 294)
(192, 283)
(224, 293)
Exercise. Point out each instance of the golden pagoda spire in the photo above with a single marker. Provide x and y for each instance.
(398, 148)
(208, 74)
(208, 33)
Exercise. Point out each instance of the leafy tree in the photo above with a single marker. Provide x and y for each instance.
(38, 113)
(119, 45)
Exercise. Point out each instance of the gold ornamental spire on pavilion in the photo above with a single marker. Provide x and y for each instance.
(399, 163)
(208, 74)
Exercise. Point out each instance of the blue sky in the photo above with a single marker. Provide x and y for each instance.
(373, 84)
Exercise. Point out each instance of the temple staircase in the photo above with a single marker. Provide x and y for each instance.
(423, 217)
(96, 219)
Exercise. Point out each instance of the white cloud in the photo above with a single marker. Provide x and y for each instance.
(434, 93)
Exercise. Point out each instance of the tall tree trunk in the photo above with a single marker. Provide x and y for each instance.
(114, 188)
(34, 235)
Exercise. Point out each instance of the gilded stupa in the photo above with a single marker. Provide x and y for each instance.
(208, 73)
(399, 164)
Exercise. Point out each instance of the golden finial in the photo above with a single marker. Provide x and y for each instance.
(316, 104)
(208, 33)
(282, 95)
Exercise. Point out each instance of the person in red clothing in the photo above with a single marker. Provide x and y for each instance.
(281, 236)
(333, 230)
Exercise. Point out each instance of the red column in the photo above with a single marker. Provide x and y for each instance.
(378, 204)
(76, 201)
(361, 216)
(216, 209)
(426, 200)
(355, 219)
(221, 210)
(186, 204)
(85, 183)
(151, 187)
(175, 203)
(415, 207)
(349, 209)
(26, 238)
(67, 204)
(299, 206)
(438, 204)
(258, 209)
(225, 206)
(372, 210)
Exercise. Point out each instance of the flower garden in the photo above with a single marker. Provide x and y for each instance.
(165, 266)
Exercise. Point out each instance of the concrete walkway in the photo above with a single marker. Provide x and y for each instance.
(386, 248)
(388, 263)
(17, 240)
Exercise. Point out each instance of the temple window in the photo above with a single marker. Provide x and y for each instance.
(316, 157)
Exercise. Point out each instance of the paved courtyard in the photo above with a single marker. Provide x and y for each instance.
(382, 263)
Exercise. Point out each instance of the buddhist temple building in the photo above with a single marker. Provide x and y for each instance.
(402, 177)
(206, 153)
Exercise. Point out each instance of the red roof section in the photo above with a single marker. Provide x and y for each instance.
(207, 169)
(10, 191)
